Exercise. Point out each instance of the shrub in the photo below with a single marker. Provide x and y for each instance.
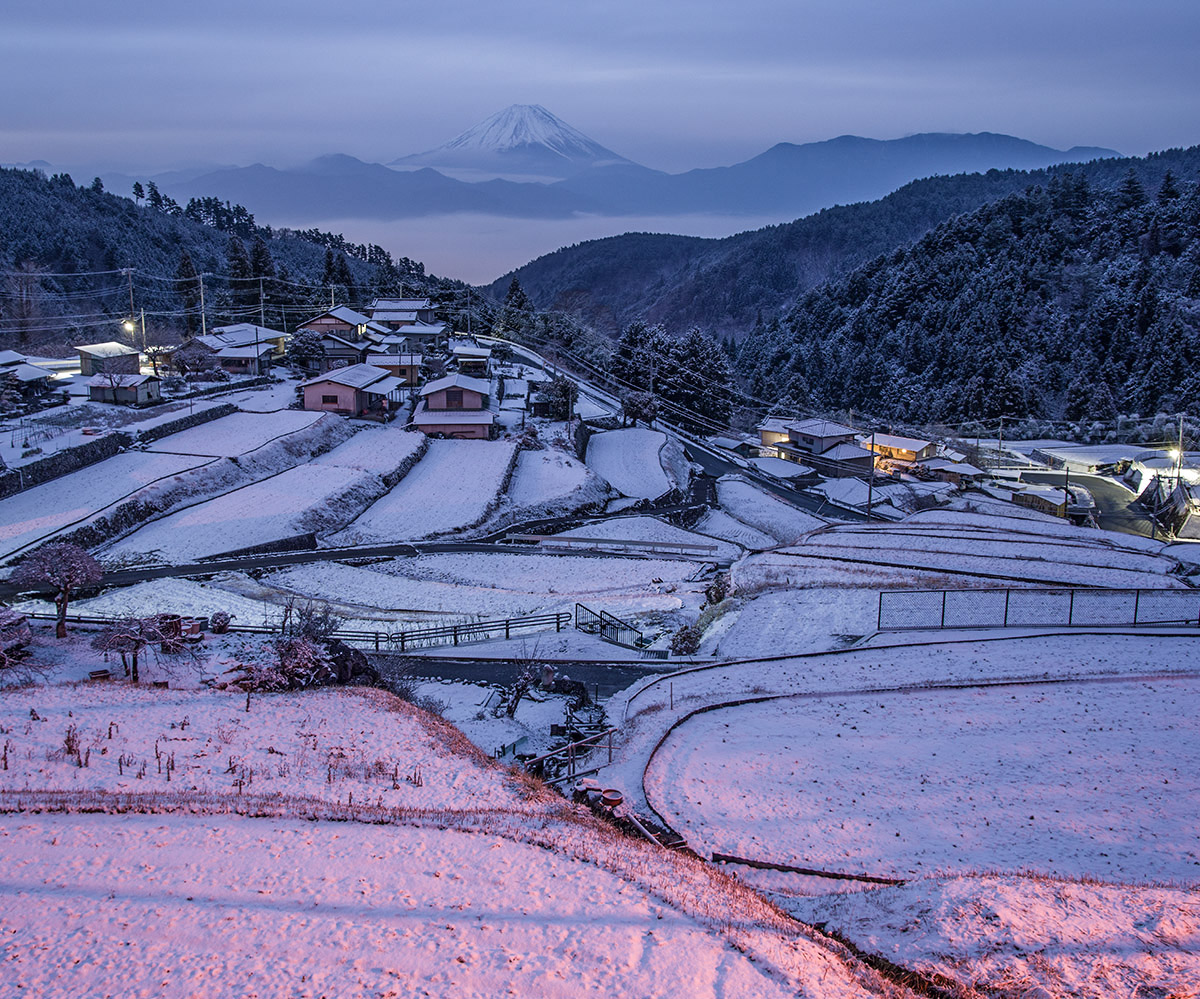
(686, 641)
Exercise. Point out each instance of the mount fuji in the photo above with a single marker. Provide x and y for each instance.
(523, 142)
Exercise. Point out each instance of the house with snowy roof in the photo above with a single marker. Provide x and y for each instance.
(455, 406)
(356, 390)
(97, 358)
(899, 448)
(396, 313)
(343, 321)
(124, 389)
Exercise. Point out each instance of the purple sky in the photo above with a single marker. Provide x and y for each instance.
(142, 84)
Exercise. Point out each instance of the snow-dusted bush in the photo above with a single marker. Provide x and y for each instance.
(686, 641)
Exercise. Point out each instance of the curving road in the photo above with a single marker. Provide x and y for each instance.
(1114, 501)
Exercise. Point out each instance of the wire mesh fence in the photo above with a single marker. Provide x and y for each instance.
(904, 610)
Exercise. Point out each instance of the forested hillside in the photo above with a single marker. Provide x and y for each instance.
(724, 285)
(1067, 300)
(63, 250)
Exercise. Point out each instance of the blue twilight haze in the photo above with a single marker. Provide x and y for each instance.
(141, 85)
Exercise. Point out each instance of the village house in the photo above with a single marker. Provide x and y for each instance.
(455, 406)
(827, 447)
(358, 390)
(773, 430)
(897, 448)
(396, 313)
(342, 352)
(406, 367)
(246, 335)
(97, 358)
(958, 473)
(344, 322)
(472, 359)
(125, 389)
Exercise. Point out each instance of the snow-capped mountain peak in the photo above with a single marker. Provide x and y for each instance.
(524, 141)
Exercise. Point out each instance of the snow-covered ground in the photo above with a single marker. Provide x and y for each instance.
(1078, 780)
(45, 510)
(1027, 936)
(630, 460)
(793, 620)
(236, 434)
(763, 512)
(451, 487)
(343, 843)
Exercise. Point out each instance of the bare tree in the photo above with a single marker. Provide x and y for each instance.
(64, 567)
(128, 636)
(15, 664)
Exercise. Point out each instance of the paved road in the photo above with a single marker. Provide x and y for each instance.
(1114, 501)
(602, 679)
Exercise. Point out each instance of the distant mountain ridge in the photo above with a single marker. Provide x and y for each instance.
(524, 141)
(726, 285)
(524, 145)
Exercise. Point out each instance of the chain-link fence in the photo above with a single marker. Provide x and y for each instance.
(901, 610)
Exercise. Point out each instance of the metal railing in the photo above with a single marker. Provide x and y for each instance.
(383, 641)
(608, 627)
(908, 610)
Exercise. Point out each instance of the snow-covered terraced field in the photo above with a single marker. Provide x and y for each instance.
(490, 586)
(652, 529)
(381, 450)
(719, 524)
(1052, 560)
(53, 506)
(1078, 779)
(550, 483)
(236, 434)
(629, 459)
(307, 498)
(763, 512)
(450, 488)
(174, 595)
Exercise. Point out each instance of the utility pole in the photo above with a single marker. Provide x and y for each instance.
(871, 477)
(262, 315)
(1179, 460)
(203, 321)
(129, 275)
(143, 330)
(1066, 492)
(1000, 443)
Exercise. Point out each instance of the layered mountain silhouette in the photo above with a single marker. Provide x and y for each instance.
(524, 162)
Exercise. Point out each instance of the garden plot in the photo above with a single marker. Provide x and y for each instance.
(308, 498)
(763, 512)
(320, 744)
(1078, 780)
(53, 506)
(237, 434)
(652, 529)
(630, 460)
(452, 487)
(1025, 936)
